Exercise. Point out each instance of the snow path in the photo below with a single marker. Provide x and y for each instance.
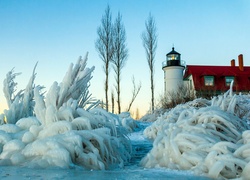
(141, 146)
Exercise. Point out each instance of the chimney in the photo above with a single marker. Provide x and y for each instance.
(241, 65)
(233, 62)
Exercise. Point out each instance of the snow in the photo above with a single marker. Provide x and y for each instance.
(63, 133)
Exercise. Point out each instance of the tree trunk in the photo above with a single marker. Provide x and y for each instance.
(104, 46)
(152, 91)
(149, 39)
(106, 89)
(118, 94)
(113, 102)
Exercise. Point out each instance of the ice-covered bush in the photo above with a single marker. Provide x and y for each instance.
(63, 127)
(20, 104)
(62, 100)
(212, 140)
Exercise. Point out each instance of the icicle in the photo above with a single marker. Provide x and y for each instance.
(232, 104)
(52, 96)
(39, 108)
(231, 88)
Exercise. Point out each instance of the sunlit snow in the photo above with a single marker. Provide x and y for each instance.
(63, 133)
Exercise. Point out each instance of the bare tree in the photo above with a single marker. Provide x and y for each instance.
(120, 55)
(136, 90)
(137, 114)
(104, 46)
(149, 40)
(112, 102)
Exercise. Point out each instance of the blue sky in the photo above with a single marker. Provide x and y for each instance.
(56, 32)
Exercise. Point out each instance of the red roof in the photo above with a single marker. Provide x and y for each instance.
(241, 78)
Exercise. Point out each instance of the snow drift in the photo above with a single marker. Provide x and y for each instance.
(63, 127)
(211, 140)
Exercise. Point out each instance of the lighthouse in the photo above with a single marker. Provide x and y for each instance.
(173, 68)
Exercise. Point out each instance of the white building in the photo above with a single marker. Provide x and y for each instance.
(173, 69)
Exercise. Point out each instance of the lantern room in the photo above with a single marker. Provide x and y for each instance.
(173, 59)
(173, 55)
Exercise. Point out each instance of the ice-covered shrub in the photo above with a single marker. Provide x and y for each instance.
(212, 140)
(182, 95)
(62, 100)
(20, 104)
(63, 127)
(151, 117)
(162, 109)
(100, 146)
(236, 104)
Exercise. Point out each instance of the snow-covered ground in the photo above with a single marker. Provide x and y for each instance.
(63, 134)
(130, 171)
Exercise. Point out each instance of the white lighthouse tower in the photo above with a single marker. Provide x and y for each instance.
(173, 72)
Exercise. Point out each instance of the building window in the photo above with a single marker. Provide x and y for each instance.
(228, 80)
(209, 80)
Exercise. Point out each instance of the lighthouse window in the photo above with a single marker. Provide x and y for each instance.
(228, 80)
(209, 80)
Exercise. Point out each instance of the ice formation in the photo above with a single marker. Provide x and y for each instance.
(63, 127)
(211, 140)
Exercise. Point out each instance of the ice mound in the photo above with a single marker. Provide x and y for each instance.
(212, 140)
(63, 127)
(127, 121)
